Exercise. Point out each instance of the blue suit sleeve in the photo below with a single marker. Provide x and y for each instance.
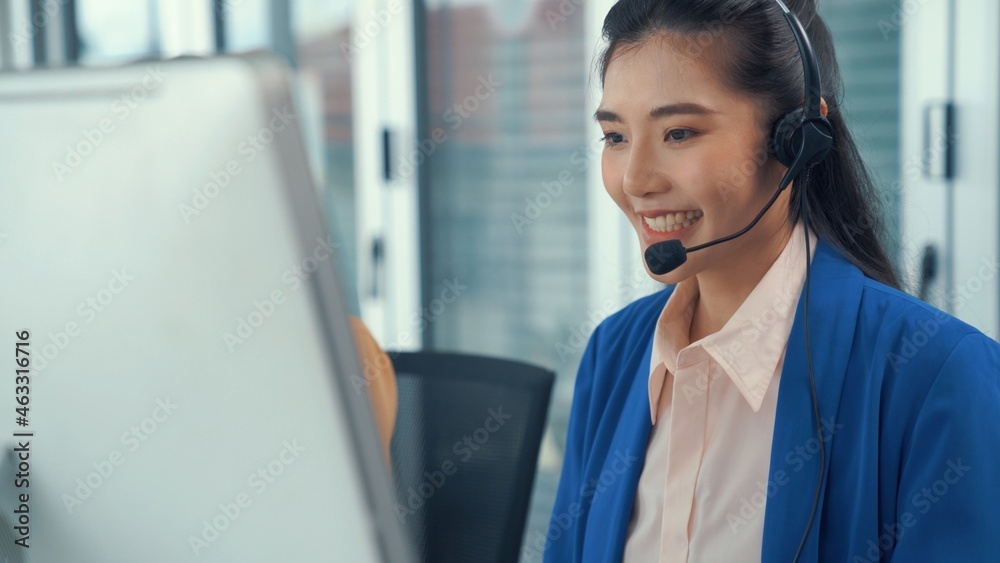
(564, 535)
(948, 490)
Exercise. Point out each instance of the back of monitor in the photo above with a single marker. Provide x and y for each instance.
(161, 245)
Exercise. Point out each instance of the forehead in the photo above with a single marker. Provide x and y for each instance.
(667, 69)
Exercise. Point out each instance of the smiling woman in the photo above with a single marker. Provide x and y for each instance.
(771, 421)
(673, 134)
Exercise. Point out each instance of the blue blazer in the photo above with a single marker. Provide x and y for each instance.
(910, 402)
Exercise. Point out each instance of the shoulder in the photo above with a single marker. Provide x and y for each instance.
(911, 328)
(934, 381)
(891, 328)
(919, 351)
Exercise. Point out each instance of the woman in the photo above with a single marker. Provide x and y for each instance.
(696, 433)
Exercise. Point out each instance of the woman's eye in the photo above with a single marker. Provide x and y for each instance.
(612, 139)
(677, 135)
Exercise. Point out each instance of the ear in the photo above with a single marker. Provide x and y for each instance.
(822, 106)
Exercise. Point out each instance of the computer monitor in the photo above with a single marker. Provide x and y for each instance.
(192, 380)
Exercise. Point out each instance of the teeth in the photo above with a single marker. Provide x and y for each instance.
(673, 221)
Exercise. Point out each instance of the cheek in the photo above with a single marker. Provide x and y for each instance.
(612, 176)
(727, 181)
(703, 176)
(743, 171)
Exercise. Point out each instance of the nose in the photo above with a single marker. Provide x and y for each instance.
(643, 176)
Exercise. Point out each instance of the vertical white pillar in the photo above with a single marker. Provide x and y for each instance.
(384, 90)
(976, 219)
(924, 201)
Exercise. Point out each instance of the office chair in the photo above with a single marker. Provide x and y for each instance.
(464, 452)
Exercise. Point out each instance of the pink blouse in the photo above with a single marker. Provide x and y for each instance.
(704, 483)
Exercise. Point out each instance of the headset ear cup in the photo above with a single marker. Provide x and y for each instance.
(817, 140)
(783, 138)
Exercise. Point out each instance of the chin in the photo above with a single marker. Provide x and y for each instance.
(671, 278)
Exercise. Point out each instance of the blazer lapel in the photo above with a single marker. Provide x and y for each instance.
(834, 301)
(615, 485)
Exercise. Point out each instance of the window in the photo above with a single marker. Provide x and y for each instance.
(506, 190)
(115, 32)
(320, 28)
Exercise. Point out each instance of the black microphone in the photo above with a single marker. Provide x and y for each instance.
(668, 255)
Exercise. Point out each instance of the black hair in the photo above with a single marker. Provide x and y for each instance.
(759, 57)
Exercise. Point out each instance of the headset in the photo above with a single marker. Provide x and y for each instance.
(803, 137)
(799, 140)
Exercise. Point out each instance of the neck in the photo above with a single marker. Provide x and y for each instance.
(722, 290)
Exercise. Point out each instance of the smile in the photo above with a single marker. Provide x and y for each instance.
(673, 221)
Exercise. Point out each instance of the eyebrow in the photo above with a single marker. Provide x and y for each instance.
(656, 113)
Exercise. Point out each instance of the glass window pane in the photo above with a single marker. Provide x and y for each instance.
(321, 19)
(18, 52)
(321, 27)
(113, 32)
(507, 190)
(247, 24)
(869, 65)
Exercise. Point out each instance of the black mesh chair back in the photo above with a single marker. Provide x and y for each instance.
(464, 452)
